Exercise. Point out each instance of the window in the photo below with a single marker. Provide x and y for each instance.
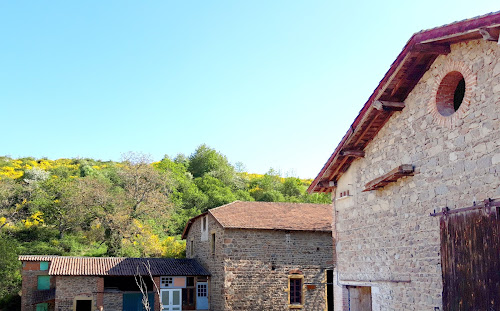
(43, 282)
(42, 307)
(451, 93)
(44, 265)
(191, 248)
(295, 292)
(202, 290)
(188, 294)
(204, 228)
(166, 281)
(212, 243)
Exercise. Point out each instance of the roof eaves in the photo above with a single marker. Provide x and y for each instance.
(466, 26)
(189, 224)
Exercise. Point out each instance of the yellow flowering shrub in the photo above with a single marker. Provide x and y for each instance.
(34, 220)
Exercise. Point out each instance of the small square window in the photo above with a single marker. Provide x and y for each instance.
(44, 265)
(190, 281)
(166, 281)
(202, 290)
(43, 282)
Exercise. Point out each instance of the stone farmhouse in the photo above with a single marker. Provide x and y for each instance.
(88, 284)
(415, 181)
(265, 256)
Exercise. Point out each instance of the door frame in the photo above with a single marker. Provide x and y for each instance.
(170, 297)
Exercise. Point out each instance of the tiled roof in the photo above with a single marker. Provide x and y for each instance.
(274, 216)
(37, 257)
(119, 266)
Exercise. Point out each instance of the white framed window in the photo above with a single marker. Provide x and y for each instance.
(166, 281)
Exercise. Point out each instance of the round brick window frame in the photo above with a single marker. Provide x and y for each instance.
(444, 87)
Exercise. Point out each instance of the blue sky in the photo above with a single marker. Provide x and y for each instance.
(266, 83)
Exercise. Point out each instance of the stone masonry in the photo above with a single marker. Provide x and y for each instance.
(250, 268)
(386, 238)
(71, 288)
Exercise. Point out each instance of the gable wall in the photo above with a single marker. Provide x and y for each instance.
(387, 235)
(213, 263)
(258, 263)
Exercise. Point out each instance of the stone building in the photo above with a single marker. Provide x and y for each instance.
(88, 284)
(414, 181)
(265, 256)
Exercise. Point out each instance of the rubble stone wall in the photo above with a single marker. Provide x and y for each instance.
(386, 238)
(71, 288)
(203, 253)
(257, 264)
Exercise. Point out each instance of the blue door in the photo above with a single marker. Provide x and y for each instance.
(133, 302)
(202, 296)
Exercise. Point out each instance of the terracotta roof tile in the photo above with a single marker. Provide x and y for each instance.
(274, 216)
(37, 257)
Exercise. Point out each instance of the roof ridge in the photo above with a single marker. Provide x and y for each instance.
(223, 206)
(457, 22)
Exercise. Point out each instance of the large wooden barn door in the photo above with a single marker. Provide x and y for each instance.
(470, 247)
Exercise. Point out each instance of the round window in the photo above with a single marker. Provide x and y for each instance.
(451, 93)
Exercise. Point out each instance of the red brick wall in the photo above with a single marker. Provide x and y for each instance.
(29, 273)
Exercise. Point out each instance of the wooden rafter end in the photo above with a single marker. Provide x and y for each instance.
(392, 176)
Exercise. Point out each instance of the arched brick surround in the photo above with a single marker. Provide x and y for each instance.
(443, 89)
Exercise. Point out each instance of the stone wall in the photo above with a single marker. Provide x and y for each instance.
(257, 264)
(71, 288)
(213, 263)
(114, 301)
(386, 238)
(250, 268)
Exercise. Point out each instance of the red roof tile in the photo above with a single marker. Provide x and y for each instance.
(37, 257)
(274, 216)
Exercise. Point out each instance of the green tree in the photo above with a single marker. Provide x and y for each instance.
(206, 160)
(10, 278)
(218, 194)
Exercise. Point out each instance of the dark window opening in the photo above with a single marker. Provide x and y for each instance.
(188, 298)
(84, 305)
(125, 283)
(190, 281)
(459, 94)
(213, 244)
(329, 289)
(450, 93)
(296, 291)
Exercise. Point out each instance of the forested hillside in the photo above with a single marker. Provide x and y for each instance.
(86, 207)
